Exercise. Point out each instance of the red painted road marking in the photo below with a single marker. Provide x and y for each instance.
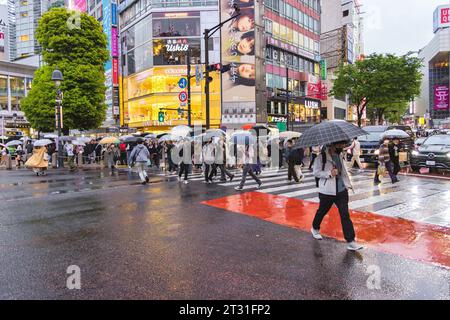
(419, 241)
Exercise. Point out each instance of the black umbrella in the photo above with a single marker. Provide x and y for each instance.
(131, 139)
(329, 132)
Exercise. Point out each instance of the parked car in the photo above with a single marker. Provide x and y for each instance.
(370, 143)
(433, 153)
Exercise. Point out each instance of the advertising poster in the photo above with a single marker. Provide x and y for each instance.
(441, 98)
(78, 5)
(238, 50)
(4, 33)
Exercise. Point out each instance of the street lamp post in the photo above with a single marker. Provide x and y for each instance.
(57, 78)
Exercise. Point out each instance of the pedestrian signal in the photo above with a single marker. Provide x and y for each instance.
(161, 116)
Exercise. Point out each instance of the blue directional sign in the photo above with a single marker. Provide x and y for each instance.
(182, 83)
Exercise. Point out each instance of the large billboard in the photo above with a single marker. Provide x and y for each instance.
(441, 18)
(242, 47)
(4, 36)
(78, 5)
(441, 98)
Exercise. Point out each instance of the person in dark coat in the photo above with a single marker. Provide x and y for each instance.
(294, 158)
(394, 151)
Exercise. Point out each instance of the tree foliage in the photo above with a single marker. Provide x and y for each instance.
(75, 44)
(381, 82)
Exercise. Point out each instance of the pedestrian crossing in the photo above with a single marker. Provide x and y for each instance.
(403, 199)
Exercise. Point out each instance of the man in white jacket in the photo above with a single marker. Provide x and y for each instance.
(334, 183)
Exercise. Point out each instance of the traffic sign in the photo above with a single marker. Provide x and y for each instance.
(198, 74)
(182, 83)
(182, 96)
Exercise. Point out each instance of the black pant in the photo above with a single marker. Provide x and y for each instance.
(313, 157)
(184, 168)
(341, 202)
(396, 163)
(223, 172)
(207, 174)
(390, 170)
(291, 172)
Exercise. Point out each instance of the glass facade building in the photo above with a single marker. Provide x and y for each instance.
(292, 29)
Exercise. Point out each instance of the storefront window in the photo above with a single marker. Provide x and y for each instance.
(174, 51)
(139, 59)
(177, 25)
(17, 86)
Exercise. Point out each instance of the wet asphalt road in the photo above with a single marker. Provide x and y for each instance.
(158, 242)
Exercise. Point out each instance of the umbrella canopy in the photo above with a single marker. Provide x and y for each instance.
(109, 140)
(210, 133)
(289, 135)
(122, 138)
(243, 137)
(3, 145)
(42, 142)
(200, 137)
(50, 136)
(329, 132)
(3, 137)
(131, 139)
(78, 143)
(150, 136)
(395, 133)
(181, 131)
(14, 143)
(169, 137)
(67, 138)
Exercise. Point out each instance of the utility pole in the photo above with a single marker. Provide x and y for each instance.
(206, 39)
(189, 87)
(287, 98)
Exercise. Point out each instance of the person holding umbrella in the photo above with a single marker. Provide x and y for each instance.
(329, 167)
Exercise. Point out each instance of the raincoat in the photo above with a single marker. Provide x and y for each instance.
(38, 159)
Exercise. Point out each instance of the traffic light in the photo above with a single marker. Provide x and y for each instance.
(218, 67)
(161, 116)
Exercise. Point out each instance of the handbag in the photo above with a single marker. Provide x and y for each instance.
(381, 170)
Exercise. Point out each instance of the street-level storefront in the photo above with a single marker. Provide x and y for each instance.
(156, 90)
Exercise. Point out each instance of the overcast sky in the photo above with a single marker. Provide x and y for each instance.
(398, 26)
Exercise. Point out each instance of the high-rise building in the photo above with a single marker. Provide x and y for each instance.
(432, 107)
(156, 40)
(341, 42)
(292, 31)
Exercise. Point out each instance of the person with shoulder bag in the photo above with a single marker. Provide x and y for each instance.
(138, 158)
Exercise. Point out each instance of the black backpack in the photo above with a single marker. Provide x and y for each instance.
(324, 161)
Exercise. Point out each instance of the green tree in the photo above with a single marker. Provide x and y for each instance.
(383, 82)
(75, 44)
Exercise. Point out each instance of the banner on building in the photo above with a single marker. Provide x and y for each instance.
(242, 48)
(441, 98)
(441, 18)
(78, 5)
(4, 53)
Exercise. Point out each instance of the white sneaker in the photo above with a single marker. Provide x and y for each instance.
(238, 188)
(179, 179)
(353, 246)
(301, 178)
(316, 234)
(186, 182)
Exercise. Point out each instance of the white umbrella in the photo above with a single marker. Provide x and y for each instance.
(289, 135)
(42, 142)
(395, 133)
(14, 143)
(3, 137)
(78, 143)
(122, 138)
(50, 136)
(181, 131)
(169, 137)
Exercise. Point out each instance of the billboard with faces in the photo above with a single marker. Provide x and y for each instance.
(242, 47)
